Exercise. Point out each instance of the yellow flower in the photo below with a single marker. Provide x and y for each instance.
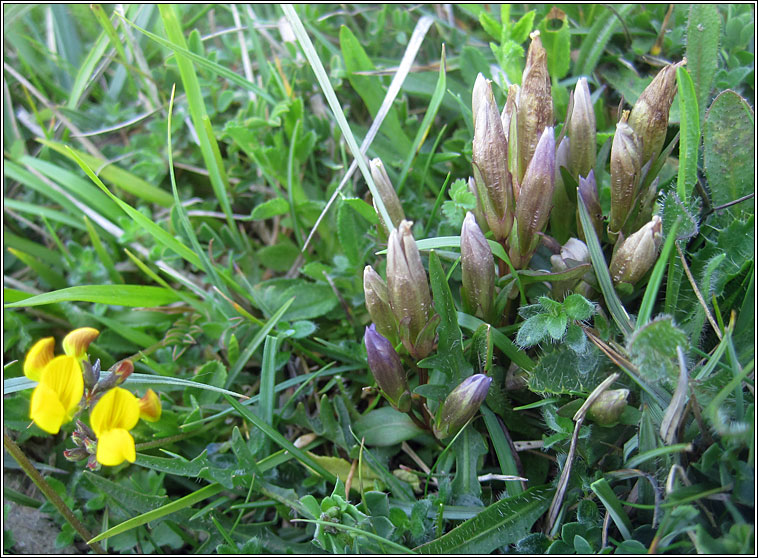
(77, 342)
(113, 416)
(150, 406)
(58, 393)
(37, 358)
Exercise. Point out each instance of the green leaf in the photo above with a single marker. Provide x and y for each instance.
(116, 295)
(562, 370)
(653, 350)
(689, 139)
(593, 45)
(521, 29)
(578, 308)
(532, 330)
(504, 522)
(556, 326)
(557, 43)
(270, 208)
(729, 150)
(502, 342)
(468, 449)
(614, 507)
(385, 427)
(212, 373)
(370, 87)
(311, 299)
(703, 30)
(449, 357)
(504, 451)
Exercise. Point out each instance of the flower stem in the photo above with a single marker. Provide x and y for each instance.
(48, 491)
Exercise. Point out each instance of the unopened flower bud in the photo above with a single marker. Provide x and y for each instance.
(650, 114)
(387, 368)
(509, 119)
(490, 160)
(536, 197)
(607, 409)
(460, 405)
(150, 406)
(561, 222)
(408, 292)
(386, 192)
(626, 164)
(122, 370)
(582, 130)
(77, 342)
(92, 463)
(90, 374)
(478, 210)
(572, 254)
(535, 103)
(75, 454)
(477, 270)
(378, 304)
(637, 253)
(588, 192)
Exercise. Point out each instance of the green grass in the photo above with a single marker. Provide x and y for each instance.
(182, 178)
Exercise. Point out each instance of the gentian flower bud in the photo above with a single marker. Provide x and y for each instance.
(626, 164)
(408, 291)
(561, 222)
(509, 119)
(650, 114)
(490, 160)
(377, 303)
(572, 254)
(386, 192)
(588, 192)
(637, 253)
(478, 211)
(477, 269)
(387, 369)
(535, 102)
(535, 199)
(460, 405)
(582, 130)
(607, 409)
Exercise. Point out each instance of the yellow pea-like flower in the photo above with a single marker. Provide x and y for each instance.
(77, 342)
(113, 416)
(37, 358)
(58, 393)
(150, 406)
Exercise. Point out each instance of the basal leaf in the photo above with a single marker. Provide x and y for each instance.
(385, 427)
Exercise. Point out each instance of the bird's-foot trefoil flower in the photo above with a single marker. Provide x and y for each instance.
(117, 412)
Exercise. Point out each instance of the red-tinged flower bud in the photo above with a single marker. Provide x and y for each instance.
(588, 192)
(535, 102)
(378, 303)
(535, 199)
(650, 114)
(119, 372)
(77, 342)
(607, 409)
(408, 291)
(150, 406)
(637, 253)
(477, 270)
(583, 131)
(75, 454)
(490, 160)
(386, 192)
(387, 368)
(626, 164)
(460, 405)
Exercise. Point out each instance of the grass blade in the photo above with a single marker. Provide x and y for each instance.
(617, 310)
(656, 278)
(334, 104)
(502, 342)
(689, 139)
(608, 498)
(117, 295)
(503, 450)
